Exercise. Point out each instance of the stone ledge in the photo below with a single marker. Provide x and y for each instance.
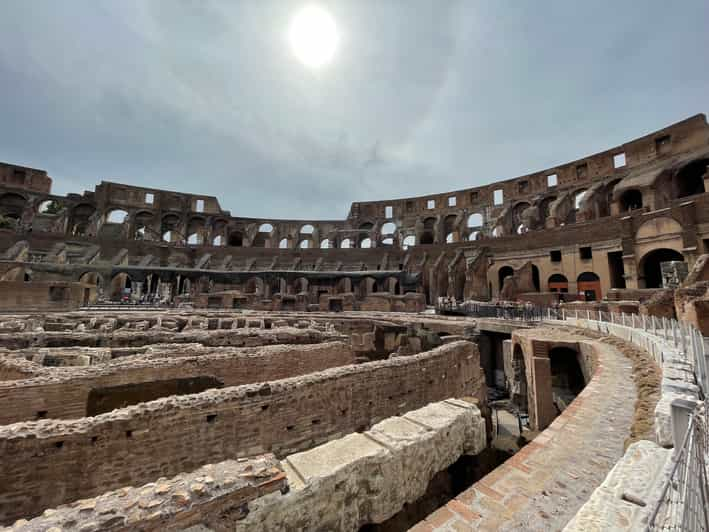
(627, 495)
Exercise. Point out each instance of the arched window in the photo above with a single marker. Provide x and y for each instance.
(116, 216)
(475, 220)
(307, 229)
(346, 244)
(589, 285)
(265, 228)
(388, 228)
(409, 241)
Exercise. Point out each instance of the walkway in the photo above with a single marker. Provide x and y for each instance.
(543, 486)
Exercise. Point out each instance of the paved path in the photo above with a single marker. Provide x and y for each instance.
(543, 486)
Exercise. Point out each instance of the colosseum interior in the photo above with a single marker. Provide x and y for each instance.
(514, 356)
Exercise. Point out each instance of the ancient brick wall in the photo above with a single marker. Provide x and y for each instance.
(47, 463)
(63, 393)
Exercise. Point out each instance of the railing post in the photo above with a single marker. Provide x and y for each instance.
(681, 411)
(600, 316)
(563, 314)
(664, 327)
(632, 320)
(588, 315)
(674, 333)
(644, 319)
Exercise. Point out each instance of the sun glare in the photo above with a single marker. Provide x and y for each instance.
(313, 36)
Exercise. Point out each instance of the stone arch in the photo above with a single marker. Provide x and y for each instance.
(17, 273)
(689, 180)
(116, 216)
(80, 219)
(121, 286)
(662, 225)
(345, 243)
(475, 220)
(236, 239)
(567, 379)
(503, 273)
(283, 243)
(427, 235)
(254, 285)
(12, 205)
(589, 284)
(649, 267)
(558, 283)
(142, 225)
(631, 200)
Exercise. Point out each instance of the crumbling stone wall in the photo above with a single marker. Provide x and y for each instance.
(47, 463)
(61, 393)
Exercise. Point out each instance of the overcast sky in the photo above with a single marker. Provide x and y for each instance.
(420, 97)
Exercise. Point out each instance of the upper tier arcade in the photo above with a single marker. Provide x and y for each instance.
(649, 173)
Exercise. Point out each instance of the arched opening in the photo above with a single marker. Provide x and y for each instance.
(475, 220)
(121, 287)
(518, 382)
(170, 223)
(366, 243)
(426, 238)
(49, 207)
(517, 213)
(450, 238)
(558, 283)
(651, 266)
(503, 273)
(17, 273)
(388, 228)
(259, 240)
(81, 219)
(578, 198)
(388, 242)
(567, 379)
(12, 205)
(589, 285)
(475, 235)
(497, 231)
(307, 229)
(116, 216)
(265, 228)
(409, 241)
(194, 239)
(254, 286)
(346, 243)
(535, 278)
(545, 208)
(301, 285)
(521, 229)
(631, 200)
(283, 244)
(218, 240)
(142, 223)
(236, 239)
(427, 234)
(305, 243)
(325, 244)
(690, 179)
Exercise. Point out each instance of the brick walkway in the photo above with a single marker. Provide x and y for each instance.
(543, 486)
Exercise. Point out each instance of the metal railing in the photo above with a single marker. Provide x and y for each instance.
(683, 504)
(684, 501)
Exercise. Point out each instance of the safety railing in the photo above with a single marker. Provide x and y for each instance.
(684, 500)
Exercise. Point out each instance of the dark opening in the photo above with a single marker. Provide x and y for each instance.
(335, 305)
(505, 271)
(585, 253)
(57, 293)
(650, 265)
(555, 255)
(567, 379)
(109, 398)
(214, 302)
(631, 200)
(518, 382)
(236, 240)
(690, 179)
(558, 283)
(617, 269)
(535, 277)
(426, 238)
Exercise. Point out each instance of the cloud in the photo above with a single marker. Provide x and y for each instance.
(422, 96)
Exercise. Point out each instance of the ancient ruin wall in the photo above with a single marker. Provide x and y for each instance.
(48, 463)
(64, 392)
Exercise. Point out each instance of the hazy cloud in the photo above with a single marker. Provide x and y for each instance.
(422, 96)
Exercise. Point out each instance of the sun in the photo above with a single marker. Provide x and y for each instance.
(313, 36)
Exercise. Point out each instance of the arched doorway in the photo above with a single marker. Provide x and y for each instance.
(518, 382)
(121, 287)
(504, 272)
(690, 179)
(589, 285)
(567, 379)
(558, 283)
(651, 269)
(535, 278)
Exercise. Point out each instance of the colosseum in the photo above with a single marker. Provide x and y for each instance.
(525, 355)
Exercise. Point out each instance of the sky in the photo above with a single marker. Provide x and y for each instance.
(421, 97)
